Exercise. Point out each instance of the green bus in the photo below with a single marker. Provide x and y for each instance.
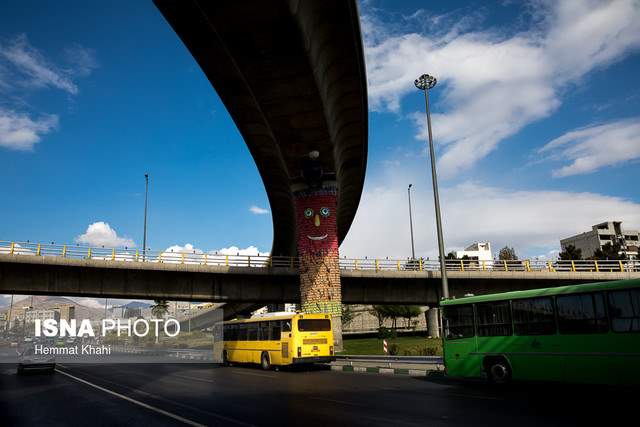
(586, 333)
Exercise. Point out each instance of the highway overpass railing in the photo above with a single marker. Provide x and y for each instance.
(421, 264)
(137, 255)
(198, 257)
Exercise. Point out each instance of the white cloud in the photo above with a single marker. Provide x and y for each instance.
(551, 255)
(101, 234)
(234, 250)
(17, 250)
(189, 254)
(32, 69)
(531, 221)
(21, 132)
(493, 84)
(258, 210)
(83, 60)
(591, 148)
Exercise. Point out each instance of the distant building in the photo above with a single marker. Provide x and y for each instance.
(603, 233)
(479, 251)
(117, 312)
(32, 315)
(67, 312)
(178, 308)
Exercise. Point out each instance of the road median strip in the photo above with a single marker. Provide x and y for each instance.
(387, 371)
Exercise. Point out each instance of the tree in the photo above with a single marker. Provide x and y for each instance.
(160, 308)
(609, 252)
(450, 255)
(507, 254)
(570, 252)
(408, 312)
(379, 313)
(347, 314)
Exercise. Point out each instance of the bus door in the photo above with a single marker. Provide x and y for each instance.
(460, 343)
(286, 341)
(536, 353)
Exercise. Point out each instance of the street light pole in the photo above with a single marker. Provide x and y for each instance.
(424, 83)
(144, 236)
(413, 249)
(8, 328)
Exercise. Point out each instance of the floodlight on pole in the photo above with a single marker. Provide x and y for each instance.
(424, 83)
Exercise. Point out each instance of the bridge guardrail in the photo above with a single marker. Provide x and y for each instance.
(197, 257)
(421, 264)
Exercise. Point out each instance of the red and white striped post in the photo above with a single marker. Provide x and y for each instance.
(385, 347)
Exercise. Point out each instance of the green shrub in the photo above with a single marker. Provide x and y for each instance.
(393, 349)
(386, 333)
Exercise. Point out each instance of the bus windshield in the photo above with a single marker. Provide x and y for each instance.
(314, 325)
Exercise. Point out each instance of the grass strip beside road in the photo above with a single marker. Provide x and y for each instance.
(407, 346)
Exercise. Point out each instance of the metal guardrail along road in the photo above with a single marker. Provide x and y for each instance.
(266, 261)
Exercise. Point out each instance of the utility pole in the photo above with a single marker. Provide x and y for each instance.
(144, 235)
(8, 328)
(424, 83)
(413, 249)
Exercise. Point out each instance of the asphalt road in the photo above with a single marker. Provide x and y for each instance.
(164, 394)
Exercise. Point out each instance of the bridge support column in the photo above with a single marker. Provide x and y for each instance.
(320, 290)
(433, 322)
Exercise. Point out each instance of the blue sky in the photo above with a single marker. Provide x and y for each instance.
(536, 119)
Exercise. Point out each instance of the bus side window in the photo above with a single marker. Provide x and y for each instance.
(263, 331)
(286, 326)
(534, 316)
(624, 310)
(581, 314)
(252, 331)
(458, 322)
(274, 330)
(242, 332)
(494, 319)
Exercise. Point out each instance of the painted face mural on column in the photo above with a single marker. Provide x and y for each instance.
(318, 250)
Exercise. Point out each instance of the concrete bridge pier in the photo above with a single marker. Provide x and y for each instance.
(320, 289)
(433, 322)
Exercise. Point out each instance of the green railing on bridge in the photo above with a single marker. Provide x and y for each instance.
(197, 257)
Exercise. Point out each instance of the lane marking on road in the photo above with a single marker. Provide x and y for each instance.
(193, 378)
(253, 374)
(135, 402)
(226, 420)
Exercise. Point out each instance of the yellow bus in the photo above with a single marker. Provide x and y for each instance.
(279, 339)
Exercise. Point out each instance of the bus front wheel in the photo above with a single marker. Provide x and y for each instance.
(498, 370)
(265, 363)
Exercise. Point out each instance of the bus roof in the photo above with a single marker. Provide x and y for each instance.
(278, 317)
(570, 289)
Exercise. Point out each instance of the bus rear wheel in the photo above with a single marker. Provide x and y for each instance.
(498, 370)
(265, 363)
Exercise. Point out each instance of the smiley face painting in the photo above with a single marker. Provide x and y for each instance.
(316, 220)
(320, 290)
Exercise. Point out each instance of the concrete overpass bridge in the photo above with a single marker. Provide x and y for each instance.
(291, 74)
(247, 281)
